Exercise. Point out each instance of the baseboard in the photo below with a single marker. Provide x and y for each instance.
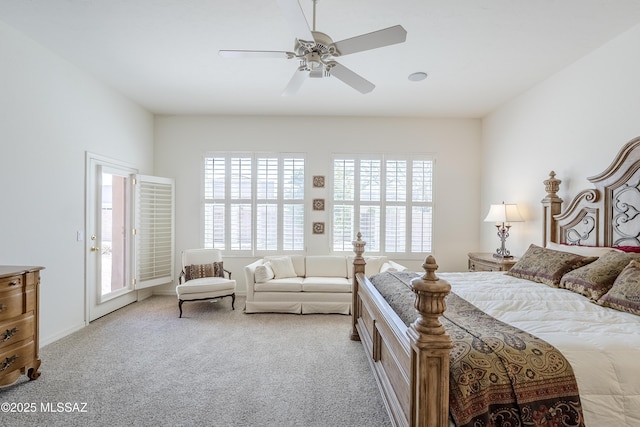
(48, 340)
(144, 293)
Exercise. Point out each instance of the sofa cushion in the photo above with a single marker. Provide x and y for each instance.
(264, 273)
(290, 284)
(282, 267)
(298, 264)
(326, 284)
(326, 266)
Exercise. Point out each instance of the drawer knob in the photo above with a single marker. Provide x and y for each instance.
(2, 307)
(8, 362)
(13, 283)
(9, 333)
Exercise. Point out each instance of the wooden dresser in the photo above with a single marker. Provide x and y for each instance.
(485, 261)
(19, 306)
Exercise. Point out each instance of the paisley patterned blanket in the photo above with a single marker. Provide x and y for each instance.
(500, 375)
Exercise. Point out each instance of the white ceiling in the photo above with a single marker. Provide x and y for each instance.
(163, 54)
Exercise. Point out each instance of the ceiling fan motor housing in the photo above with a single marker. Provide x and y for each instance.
(316, 55)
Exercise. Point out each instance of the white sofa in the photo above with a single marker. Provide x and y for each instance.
(306, 284)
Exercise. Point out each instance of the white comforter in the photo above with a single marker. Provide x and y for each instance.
(602, 344)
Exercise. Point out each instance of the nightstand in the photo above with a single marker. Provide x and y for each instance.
(485, 261)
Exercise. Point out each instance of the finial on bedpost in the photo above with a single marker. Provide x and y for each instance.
(552, 185)
(358, 267)
(430, 345)
(430, 294)
(551, 206)
(358, 245)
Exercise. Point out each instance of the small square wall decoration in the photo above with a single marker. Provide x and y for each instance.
(318, 228)
(318, 181)
(318, 204)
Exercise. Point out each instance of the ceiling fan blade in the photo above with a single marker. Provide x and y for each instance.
(256, 54)
(376, 39)
(354, 80)
(295, 16)
(296, 82)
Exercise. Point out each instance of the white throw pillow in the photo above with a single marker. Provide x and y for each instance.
(387, 267)
(264, 273)
(581, 250)
(282, 267)
(374, 263)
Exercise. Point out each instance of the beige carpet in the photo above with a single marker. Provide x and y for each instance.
(143, 366)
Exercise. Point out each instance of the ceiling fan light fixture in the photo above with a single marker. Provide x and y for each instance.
(417, 76)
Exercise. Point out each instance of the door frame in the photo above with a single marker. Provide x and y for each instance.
(95, 307)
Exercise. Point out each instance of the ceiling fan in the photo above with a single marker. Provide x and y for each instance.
(316, 51)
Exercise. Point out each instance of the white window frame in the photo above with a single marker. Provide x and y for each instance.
(254, 198)
(416, 243)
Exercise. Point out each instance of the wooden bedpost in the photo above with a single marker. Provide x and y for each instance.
(551, 206)
(358, 267)
(430, 346)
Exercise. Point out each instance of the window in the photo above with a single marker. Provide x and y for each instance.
(388, 199)
(254, 202)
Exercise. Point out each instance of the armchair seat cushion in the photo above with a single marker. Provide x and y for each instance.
(206, 284)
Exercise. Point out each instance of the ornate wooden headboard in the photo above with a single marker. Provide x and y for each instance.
(607, 215)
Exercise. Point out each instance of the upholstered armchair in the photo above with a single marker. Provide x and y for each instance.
(203, 277)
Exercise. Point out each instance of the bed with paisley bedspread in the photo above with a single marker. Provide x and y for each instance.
(556, 341)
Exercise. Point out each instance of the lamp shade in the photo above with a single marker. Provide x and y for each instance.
(503, 213)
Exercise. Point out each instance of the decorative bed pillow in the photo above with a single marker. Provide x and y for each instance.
(595, 279)
(264, 273)
(624, 295)
(282, 267)
(198, 271)
(546, 265)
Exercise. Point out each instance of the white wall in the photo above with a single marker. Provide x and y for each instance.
(573, 123)
(182, 141)
(52, 113)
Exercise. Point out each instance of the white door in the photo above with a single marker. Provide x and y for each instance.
(109, 246)
(130, 227)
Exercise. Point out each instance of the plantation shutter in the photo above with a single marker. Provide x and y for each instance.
(154, 231)
(293, 203)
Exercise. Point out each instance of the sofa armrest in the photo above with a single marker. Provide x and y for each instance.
(250, 278)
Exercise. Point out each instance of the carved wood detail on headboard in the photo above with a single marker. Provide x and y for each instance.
(607, 215)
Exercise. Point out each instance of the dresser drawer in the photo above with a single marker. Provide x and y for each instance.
(16, 356)
(11, 305)
(16, 331)
(9, 284)
(479, 266)
(484, 261)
